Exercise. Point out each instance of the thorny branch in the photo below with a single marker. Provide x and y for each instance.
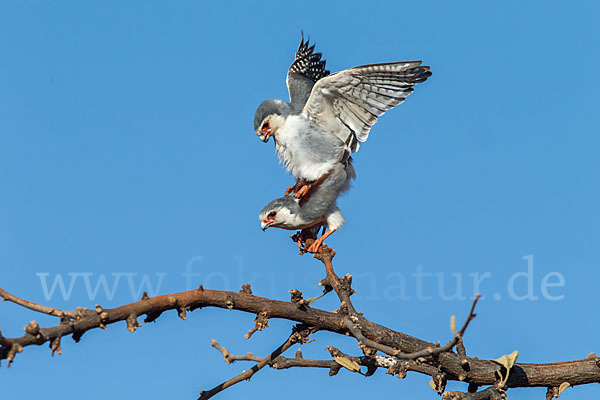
(403, 352)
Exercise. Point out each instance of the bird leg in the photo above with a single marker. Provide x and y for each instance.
(309, 187)
(300, 183)
(317, 243)
(303, 190)
(301, 237)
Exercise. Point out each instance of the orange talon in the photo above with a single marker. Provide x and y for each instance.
(317, 243)
(303, 190)
(289, 190)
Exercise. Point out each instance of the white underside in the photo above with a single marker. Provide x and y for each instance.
(335, 219)
(296, 156)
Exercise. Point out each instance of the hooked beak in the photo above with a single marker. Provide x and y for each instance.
(264, 225)
(265, 137)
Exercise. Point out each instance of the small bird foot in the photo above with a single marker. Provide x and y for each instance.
(314, 247)
(303, 190)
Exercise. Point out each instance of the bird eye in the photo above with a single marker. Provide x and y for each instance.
(266, 125)
(272, 215)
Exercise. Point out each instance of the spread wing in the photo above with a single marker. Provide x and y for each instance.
(306, 69)
(349, 102)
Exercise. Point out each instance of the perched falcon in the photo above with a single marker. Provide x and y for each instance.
(328, 116)
(315, 209)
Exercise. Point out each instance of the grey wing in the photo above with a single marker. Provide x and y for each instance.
(349, 102)
(306, 69)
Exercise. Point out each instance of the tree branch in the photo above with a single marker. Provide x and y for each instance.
(299, 335)
(427, 352)
(407, 353)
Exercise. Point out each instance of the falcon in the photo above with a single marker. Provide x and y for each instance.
(330, 115)
(315, 209)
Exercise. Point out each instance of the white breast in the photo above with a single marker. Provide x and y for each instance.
(295, 144)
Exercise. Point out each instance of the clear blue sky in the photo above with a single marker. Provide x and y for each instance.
(127, 153)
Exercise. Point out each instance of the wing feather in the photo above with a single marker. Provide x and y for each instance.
(349, 102)
(306, 69)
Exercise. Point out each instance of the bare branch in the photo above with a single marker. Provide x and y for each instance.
(426, 352)
(76, 314)
(282, 362)
(408, 353)
(342, 287)
(299, 335)
(491, 393)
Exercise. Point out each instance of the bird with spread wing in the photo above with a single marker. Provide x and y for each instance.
(329, 115)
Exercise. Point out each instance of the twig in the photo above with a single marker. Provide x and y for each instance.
(342, 287)
(282, 362)
(300, 334)
(393, 365)
(491, 393)
(76, 314)
(230, 358)
(426, 352)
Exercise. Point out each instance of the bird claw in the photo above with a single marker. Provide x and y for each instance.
(289, 190)
(304, 239)
(302, 191)
(314, 247)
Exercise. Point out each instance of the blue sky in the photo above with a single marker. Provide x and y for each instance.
(127, 154)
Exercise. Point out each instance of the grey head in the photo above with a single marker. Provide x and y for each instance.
(269, 117)
(290, 213)
(280, 213)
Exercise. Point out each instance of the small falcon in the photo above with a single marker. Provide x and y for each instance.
(315, 209)
(329, 115)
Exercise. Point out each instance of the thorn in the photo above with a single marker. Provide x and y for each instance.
(145, 296)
